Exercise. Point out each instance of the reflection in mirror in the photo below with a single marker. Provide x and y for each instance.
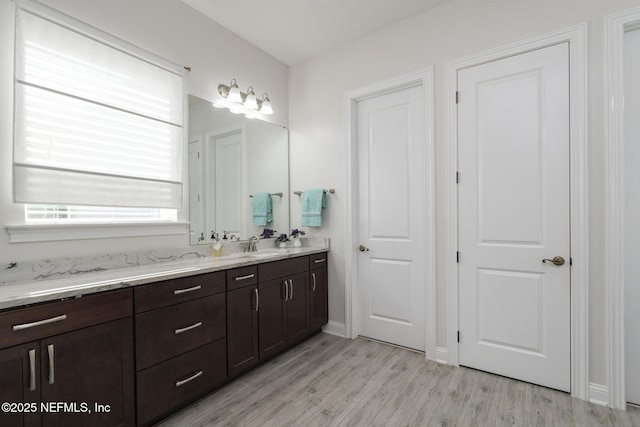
(232, 158)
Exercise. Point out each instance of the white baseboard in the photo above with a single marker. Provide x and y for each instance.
(442, 355)
(335, 328)
(599, 394)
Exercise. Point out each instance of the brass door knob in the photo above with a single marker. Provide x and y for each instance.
(557, 260)
(363, 248)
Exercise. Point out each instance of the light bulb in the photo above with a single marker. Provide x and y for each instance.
(251, 101)
(234, 92)
(265, 108)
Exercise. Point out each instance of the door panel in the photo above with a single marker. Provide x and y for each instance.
(271, 317)
(524, 293)
(242, 329)
(17, 385)
(521, 143)
(391, 145)
(297, 308)
(90, 365)
(513, 159)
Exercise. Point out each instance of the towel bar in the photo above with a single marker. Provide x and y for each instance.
(271, 194)
(331, 190)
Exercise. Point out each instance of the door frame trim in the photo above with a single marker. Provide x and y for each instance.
(615, 27)
(576, 36)
(423, 78)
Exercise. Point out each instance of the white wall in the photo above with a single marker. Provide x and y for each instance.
(168, 28)
(451, 31)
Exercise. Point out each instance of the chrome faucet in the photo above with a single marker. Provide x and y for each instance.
(251, 244)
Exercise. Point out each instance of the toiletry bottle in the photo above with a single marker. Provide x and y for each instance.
(216, 243)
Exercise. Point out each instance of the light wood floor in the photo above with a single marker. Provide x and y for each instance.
(331, 381)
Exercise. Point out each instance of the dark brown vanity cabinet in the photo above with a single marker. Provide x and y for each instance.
(69, 363)
(318, 294)
(243, 303)
(180, 342)
(283, 315)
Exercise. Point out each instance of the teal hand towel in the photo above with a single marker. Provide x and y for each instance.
(313, 201)
(261, 206)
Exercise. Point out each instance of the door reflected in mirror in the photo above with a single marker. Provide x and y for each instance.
(231, 158)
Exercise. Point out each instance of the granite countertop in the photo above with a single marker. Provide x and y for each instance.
(16, 294)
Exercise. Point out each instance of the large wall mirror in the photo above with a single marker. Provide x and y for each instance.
(231, 158)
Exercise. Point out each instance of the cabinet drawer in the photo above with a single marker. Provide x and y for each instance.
(178, 381)
(167, 332)
(33, 323)
(318, 260)
(286, 267)
(241, 277)
(169, 292)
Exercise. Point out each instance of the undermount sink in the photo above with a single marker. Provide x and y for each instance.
(255, 255)
(263, 254)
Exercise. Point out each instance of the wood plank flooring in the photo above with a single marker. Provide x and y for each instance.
(332, 381)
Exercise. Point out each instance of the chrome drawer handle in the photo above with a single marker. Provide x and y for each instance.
(248, 276)
(52, 365)
(39, 323)
(318, 261)
(191, 378)
(184, 291)
(32, 370)
(188, 328)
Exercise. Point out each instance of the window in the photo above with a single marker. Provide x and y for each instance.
(68, 214)
(98, 124)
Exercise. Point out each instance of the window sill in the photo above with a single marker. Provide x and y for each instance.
(25, 233)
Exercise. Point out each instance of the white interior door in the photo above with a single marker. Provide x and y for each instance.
(632, 219)
(196, 229)
(391, 150)
(228, 183)
(513, 160)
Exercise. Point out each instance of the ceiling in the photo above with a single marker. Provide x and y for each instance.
(295, 30)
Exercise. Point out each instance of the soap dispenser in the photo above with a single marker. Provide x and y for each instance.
(216, 243)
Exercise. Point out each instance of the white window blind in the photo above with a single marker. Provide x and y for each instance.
(63, 214)
(97, 121)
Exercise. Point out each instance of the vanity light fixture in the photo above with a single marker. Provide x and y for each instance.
(243, 102)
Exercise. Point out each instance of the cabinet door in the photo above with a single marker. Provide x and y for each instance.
(297, 308)
(318, 298)
(242, 329)
(271, 317)
(93, 367)
(20, 383)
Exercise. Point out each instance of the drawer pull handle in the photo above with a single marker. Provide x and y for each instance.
(39, 323)
(52, 366)
(186, 380)
(184, 291)
(314, 281)
(318, 261)
(248, 276)
(188, 328)
(32, 370)
(257, 298)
